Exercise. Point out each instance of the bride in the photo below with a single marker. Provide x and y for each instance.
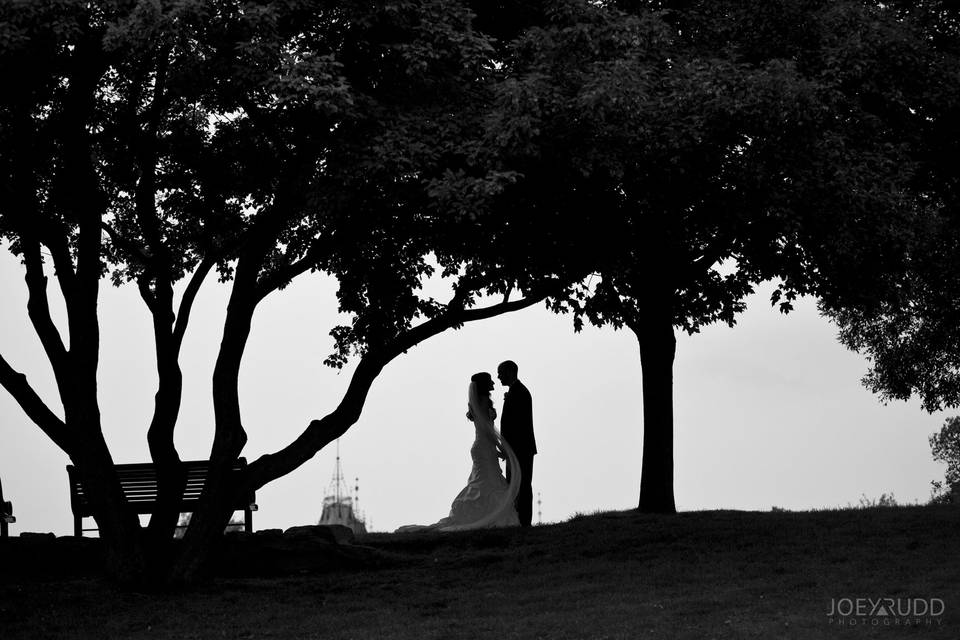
(487, 500)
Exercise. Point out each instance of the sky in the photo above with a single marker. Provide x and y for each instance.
(768, 413)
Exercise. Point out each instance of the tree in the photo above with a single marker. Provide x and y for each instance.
(906, 314)
(945, 447)
(727, 144)
(155, 142)
(907, 323)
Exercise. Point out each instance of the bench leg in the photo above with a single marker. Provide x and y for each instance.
(248, 520)
(4, 531)
(77, 526)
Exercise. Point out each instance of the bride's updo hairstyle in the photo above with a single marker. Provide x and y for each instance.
(483, 381)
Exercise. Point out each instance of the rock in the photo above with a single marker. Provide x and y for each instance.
(237, 535)
(37, 536)
(332, 533)
(44, 555)
(268, 534)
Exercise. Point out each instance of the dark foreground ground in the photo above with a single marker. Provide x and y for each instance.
(611, 575)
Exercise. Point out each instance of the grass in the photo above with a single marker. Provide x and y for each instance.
(717, 574)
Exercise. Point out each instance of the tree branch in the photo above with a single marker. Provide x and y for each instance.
(711, 255)
(261, 123)
(143, 285)
(271, 282)
(38, 308)
(55, 241)
(133, 249)
(17, 386)
(79, 171)
(464, 290)
(146, 154)
(229, 436)
(320, 432)
(189, 295)
(28, 219)
(455, 317)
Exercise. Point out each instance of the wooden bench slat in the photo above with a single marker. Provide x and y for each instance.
(149, 473)
(150, 495)
(144, 488)
(141, 484)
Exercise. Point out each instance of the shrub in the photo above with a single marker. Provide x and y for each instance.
(945, 447)
(885, 500)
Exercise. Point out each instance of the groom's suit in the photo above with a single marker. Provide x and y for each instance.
(516, 427)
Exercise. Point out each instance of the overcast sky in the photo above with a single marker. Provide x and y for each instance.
(769, 413)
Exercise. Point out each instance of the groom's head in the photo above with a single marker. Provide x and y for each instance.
(507, 372)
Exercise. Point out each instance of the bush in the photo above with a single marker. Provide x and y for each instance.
(885, 500)
(945, 447)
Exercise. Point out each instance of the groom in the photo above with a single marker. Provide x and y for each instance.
(516, 427)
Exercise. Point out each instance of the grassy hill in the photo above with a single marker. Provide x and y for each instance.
(717, 574)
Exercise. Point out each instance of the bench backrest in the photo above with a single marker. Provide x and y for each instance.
(139, 485)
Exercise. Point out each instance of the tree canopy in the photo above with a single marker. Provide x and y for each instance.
(680, 152)
(153, 143)
(905, 312)
(715, 145)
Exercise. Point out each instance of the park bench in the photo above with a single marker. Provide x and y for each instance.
(6, 515)
(139, 485)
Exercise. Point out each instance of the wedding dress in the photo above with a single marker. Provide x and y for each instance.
(487, 500)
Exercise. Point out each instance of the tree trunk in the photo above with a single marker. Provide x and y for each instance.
(210, 519)
(118, 526)
(168, 330)
(171, 476)
(206, 528)
(658, 346)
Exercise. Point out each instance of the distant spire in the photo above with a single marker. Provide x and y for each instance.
(338, 479)
(339, 506)
(356, 497)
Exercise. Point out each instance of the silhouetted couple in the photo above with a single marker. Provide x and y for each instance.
(491, 499)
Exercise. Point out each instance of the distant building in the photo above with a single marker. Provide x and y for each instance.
(338, 506)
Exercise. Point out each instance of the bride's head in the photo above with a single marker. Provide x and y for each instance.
(484, 382)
